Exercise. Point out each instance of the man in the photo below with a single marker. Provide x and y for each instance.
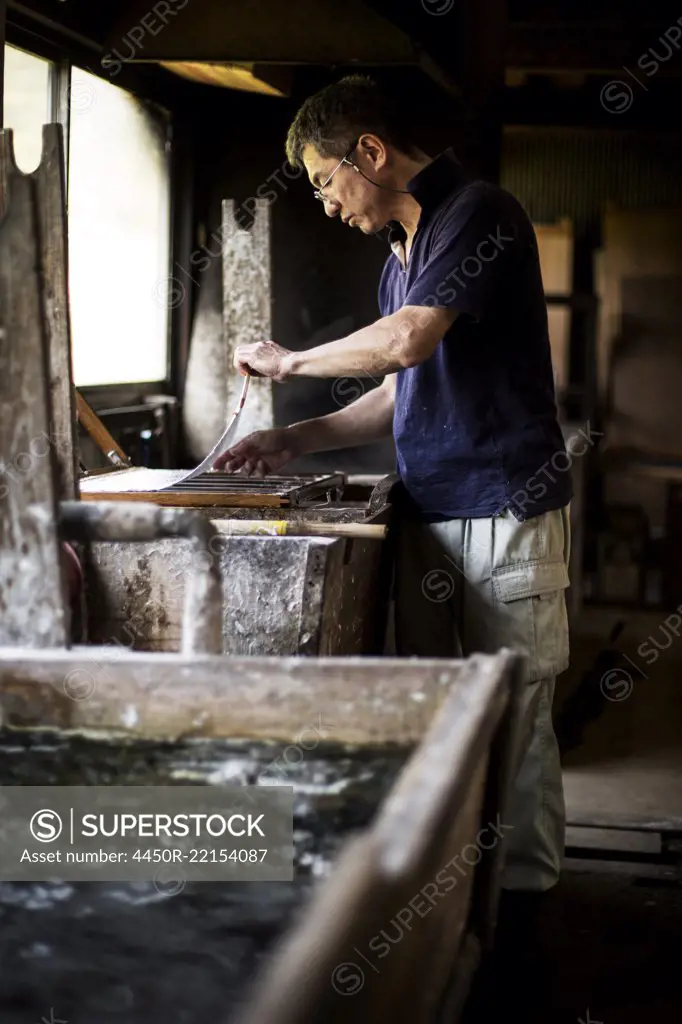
(469, 396)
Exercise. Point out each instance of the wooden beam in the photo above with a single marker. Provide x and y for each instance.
(273, 80)
(258, 31)
(191, 499)
(166, 696)
(479, 43)
(590, 47)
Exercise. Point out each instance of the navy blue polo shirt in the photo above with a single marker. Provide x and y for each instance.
(475, 424)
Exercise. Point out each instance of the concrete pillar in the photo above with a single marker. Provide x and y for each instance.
(234, 307)
(247, 307)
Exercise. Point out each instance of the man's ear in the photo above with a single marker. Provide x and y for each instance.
(373, 148)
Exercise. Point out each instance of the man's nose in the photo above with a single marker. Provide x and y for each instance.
(331, 208)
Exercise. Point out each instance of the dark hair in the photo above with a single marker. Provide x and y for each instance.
(332, 118)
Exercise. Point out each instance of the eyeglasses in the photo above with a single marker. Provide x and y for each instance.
(318, 191)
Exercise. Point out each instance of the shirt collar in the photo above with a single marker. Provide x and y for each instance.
(430, 186)
(437, 180)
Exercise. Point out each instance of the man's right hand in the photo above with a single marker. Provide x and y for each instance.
(259, 453)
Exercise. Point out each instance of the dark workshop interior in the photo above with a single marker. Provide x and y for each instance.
(171, 633)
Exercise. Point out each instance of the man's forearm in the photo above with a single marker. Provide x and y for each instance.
(368, 419)
(370, 352)
(396, 342)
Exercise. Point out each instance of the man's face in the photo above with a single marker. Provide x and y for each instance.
(348, 195)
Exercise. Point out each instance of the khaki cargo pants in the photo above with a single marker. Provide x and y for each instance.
(470, 585)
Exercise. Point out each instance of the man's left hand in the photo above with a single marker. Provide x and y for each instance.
(264, 359)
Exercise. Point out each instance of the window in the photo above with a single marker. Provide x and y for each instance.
(119, 235)
(26, 104)
(118, 183)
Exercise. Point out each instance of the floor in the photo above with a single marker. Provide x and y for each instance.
(606, 949)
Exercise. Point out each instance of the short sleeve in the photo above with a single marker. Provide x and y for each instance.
(386, 289)
(475, 245)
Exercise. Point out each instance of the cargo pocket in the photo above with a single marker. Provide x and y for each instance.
(532, 596)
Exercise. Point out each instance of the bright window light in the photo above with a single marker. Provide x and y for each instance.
(119, 235)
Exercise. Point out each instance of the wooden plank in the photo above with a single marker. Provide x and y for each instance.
(665, 814)
(664, 473)
(355, 599)
(622, 840)
(50, 192)
(32, 610)
(188, 500)
(166, 696)
(669, 873)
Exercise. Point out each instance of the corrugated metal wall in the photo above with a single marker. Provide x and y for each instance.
(566, 172)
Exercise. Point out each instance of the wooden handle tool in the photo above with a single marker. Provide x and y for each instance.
(291, 528)
(100, 435)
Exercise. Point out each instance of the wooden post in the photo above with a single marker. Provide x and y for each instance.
(32, 607)
(480, 43)
(3, 20)
(50, 192)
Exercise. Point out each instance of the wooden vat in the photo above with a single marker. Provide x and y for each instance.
(282, 595)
